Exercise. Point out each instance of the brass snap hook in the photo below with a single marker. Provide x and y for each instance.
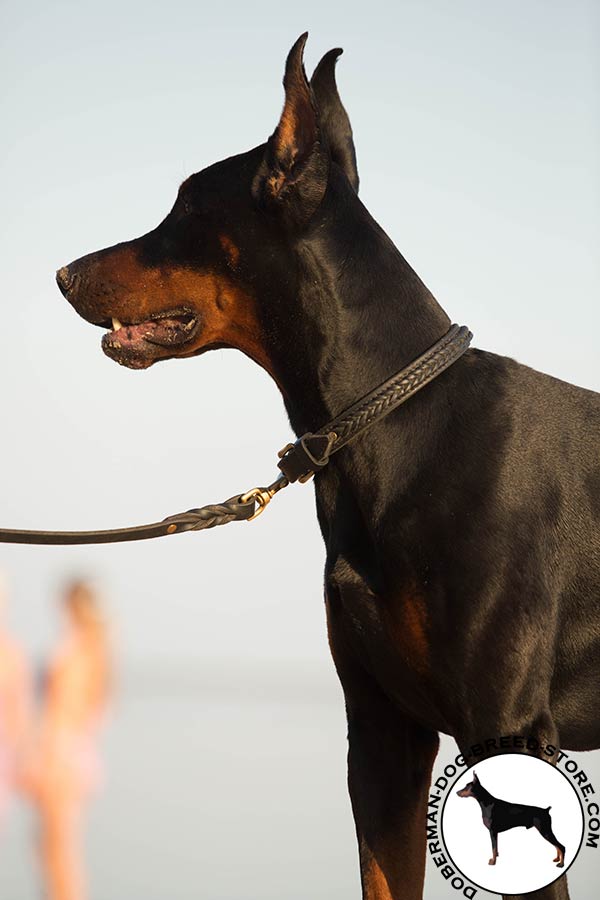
(263, 495)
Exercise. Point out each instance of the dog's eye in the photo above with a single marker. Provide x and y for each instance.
(186, 206)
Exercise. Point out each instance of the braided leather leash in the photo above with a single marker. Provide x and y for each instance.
(298, 461)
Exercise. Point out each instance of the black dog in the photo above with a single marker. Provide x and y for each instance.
(462, 532)
(500, 815)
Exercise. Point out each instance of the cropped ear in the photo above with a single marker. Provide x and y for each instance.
(293, 173)
(335, 124)
(475, 778)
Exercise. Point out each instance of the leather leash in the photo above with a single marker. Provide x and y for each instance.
(298, 461)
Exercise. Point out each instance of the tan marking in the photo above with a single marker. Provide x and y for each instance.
(375, 884)
(232, 251)
(287, 128)
(227, 310)
(394, 867)
(408, 620)
(275, 182)
(295, 134)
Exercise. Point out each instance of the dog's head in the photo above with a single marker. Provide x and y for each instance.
(220, 267)
(469, 790)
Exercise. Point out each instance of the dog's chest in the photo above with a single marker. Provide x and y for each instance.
(486, 815)
(388, 633)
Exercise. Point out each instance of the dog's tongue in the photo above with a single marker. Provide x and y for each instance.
(138, 346)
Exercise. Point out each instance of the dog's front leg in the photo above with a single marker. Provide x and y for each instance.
(494, 837)
(389, 773)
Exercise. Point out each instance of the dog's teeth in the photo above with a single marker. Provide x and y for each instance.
(116, 325)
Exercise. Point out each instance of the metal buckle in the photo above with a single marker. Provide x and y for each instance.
(303, 478)
(263, 495)
(305, 457)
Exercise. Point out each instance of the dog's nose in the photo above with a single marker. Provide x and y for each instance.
(64, 279)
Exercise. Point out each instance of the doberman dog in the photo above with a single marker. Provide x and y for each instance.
(500, 815)
(462, 532)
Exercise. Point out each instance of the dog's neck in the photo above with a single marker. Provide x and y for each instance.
(363, 314)
(483, 797)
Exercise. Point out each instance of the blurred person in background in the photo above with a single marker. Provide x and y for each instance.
(64, 766)
(15, 706)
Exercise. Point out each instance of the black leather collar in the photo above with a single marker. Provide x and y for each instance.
(313, 450)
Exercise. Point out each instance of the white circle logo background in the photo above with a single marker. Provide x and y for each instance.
(524, 857)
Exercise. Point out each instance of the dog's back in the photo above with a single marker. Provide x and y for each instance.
(506, 815)
(518, 455)
(551, 485)
(551, 476)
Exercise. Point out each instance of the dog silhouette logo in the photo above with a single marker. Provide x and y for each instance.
(500, 815)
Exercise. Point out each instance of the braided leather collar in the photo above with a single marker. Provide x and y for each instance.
(298, 462)
(312, 451)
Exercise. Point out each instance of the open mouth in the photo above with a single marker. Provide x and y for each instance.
(139, 344)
